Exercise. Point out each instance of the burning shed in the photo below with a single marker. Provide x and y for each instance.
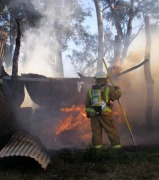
(47, 93)
(14, 141)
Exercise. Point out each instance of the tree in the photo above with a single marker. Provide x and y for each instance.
(121, 14)
(100, 35)
(148, 10)
(87, 59)
(84, 58)
(10, 11)
(61, 20)
(148, 75)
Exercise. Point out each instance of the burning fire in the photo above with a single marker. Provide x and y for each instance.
(114, 70)
(75, 128)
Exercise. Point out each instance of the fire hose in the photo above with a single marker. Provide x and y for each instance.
(121, 107)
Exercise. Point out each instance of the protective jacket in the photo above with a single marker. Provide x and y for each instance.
(109, 94)
(104, 119)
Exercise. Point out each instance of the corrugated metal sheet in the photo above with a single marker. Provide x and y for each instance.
(6, 116)
(24, 145)
(6, 123)
(3, 36)
(19, 143)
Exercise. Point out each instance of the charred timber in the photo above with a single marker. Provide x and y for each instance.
(43, 79)
(133, 68)
(116, 72)
(17, 50)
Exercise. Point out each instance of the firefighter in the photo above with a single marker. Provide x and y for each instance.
(98, 107)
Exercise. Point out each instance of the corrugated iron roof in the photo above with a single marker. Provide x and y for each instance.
(6, 116)
(22, 144)
(19, 143)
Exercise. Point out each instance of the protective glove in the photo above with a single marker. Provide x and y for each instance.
(116, 88)
(88, 114)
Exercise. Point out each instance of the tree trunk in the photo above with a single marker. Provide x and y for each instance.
(117, 51)
(100, 35)
(17, 50)
(148, 76)
(12, 35)
(59, 64)
(118, 37)
(127, 40)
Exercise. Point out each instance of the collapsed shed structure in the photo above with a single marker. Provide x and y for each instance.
(46, 92)
(13, 140)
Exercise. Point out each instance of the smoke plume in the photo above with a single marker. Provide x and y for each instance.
(40, 54)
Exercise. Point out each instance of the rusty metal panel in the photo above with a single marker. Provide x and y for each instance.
(22, 144)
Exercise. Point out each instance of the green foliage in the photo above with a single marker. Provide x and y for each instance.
(83, 58)
(148, 7)
(123, 14)
(66, 24)
(122, 11)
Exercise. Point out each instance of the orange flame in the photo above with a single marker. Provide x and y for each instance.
(114, 70)
(75, 128)
(75, 122)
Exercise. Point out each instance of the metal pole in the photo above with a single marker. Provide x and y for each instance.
(121, 107)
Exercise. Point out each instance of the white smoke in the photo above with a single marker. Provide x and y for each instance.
(40, 56)
(41, 43)
(134, 97)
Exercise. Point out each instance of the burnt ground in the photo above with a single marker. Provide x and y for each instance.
(87, 164)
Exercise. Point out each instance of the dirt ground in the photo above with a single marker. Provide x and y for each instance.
(71, 164)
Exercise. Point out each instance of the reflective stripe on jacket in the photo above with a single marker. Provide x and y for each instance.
(105, 98)
(109, 93)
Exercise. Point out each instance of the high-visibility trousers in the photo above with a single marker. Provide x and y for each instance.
(104, 122)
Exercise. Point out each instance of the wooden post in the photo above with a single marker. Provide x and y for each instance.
(16, 52)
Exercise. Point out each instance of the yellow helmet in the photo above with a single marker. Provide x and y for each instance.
(101, 75)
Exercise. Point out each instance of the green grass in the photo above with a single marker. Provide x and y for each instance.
(70, 164)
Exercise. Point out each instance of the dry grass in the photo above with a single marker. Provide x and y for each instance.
(70, 164)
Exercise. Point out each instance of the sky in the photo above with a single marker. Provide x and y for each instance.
(92, 23)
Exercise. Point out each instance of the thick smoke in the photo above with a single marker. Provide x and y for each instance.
(135, 93)
(42, 45)
(40, 56)
(134, 100)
